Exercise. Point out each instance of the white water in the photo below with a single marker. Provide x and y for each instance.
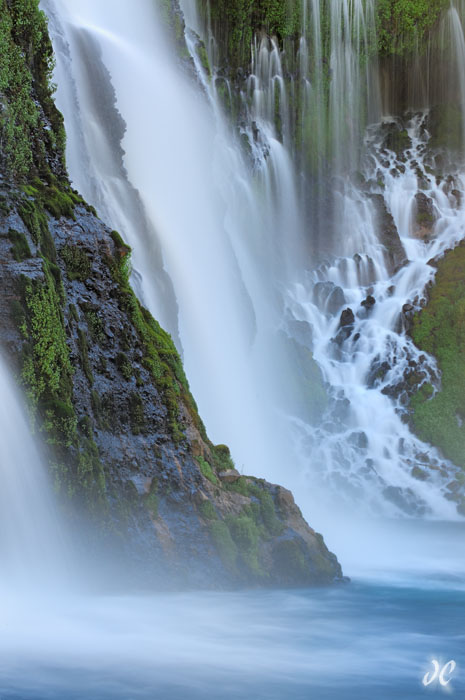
(31, 544)
(233, 240)
(388, 451)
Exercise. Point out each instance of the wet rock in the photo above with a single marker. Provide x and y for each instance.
(377, 372)
(404, 499)
(419, 473)
(425, 216)
(302, 332)
(397, 138)
(388, 235)
(358, 439)
(341, 409)
(229, 476)
(346, 326)
(406, 318)
(347, 318)
(328, 297)
(458, 196)
(369, 302)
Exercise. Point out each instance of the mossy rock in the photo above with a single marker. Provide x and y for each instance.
(439, 329)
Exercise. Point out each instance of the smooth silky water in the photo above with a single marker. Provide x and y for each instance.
(220, 258)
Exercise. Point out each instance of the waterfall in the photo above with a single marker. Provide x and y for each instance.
(31, 545)
(222, 253)
(258, 212)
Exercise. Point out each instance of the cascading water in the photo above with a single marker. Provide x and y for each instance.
(363, 438)
(31, 545)
(257, 213)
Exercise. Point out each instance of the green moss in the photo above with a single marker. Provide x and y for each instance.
(34, 219)
(48, 370)
(90, 473)
(160, 356)
(73, 313)
(137, 417)
(207, 510)
(84, 354)
(222, 458)
(241, 486)
(268, 513)
(445, 124)
(206, 470)
(203, 57)
(59, 421)
(26, 65)
(290, 560)
(439, 329)
(124, 365)
(403, 24)
(224, 543)
(235, 22)
(151, 499)
(77, 262)
(95, 326)
(19, 317)
(20, 249)
(246, 536)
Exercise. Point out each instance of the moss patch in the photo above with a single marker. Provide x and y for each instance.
(20, 249)
(206, 470)
(439, 329)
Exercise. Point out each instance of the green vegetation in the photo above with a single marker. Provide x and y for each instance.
(224, 543)
(207, 510)
(238, 537)
(403, 24)
(76, 261)
(289, 557)
(439, 329)
(28, 132)
(245, 535)
(151, 499)
(160, 356)
(222, 457)
(235, 22)
(47, 369)
(20, 250)
(137, 414)
(445, 124)
(206, 470)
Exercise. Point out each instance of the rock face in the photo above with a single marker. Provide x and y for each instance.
(425, 216)
(127, 445)
(388, 235)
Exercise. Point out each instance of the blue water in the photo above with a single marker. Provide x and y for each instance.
(360, 641)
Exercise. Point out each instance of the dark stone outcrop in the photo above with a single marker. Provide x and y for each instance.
(368, 303)
(425, 216)
(388, 234)
(347, 318)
